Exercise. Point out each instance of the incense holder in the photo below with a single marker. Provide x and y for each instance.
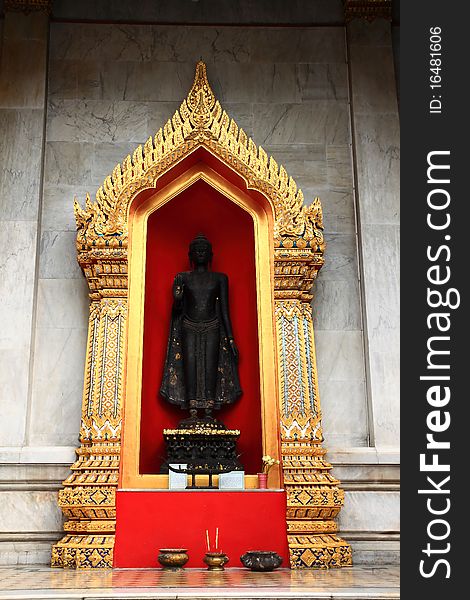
(215, 561)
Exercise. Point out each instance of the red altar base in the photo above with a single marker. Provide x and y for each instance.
(150, 520)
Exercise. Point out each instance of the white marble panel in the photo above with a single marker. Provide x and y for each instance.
(158, 115)
(20, 149)
(336, 305)
(339, 167)
(34, 455)
(124, 80)
(373, 35)
(316, 122)
(96, 41)
(57, 205)
(374, 88)
(157, 81)
(29, 511)
(59, 358)
(123, 42)
(57, 386)
(18, 258)
(213, 44)
(370, 511)
(384, 457)
(14, 377)
(344, 409)
(68, 163)
(94, 120)
(306, 163)
(351, 474)
(105, 157)
(359, 438)
(58, 256)
(31, 476)
(301, 45)
(340, 258)
(385, 385)
(104, 80)
(62, 79)
(378, 163)
(63, 304)
(376, 553)
(261, 82)
(26, 553)
(381, 252)
(26, 27)
(339, 356)
(23, 65)
(328, 81)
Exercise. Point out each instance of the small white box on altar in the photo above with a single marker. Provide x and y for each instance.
(233, 480)
(177, 481)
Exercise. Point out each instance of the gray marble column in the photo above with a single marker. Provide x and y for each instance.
(375, 129)
(22, 117)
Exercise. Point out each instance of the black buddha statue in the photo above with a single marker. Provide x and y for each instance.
(201, 371)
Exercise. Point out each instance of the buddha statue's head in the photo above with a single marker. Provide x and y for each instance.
(200, 251)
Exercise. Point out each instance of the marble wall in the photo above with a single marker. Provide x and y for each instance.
(22, 114)
(376, 143)
(110, 86)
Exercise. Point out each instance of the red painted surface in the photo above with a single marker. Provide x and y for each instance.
(150, 520)
(200, 208)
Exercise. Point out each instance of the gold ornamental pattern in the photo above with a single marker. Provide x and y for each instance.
(314, 498)
(28, 6)
(88, 497)
(368, 10)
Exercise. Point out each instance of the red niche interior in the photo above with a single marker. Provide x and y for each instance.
(200, 208)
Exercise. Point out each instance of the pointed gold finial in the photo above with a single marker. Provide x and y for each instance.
(201, 98)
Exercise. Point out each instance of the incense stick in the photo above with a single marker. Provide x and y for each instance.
(216, 539)
(207, 541)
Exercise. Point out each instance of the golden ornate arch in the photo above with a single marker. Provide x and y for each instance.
(88, 498)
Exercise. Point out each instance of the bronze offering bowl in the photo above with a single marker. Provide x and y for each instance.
(259, 560)
(215, 561)
(173, 559)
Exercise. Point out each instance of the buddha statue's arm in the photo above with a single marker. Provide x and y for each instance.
(223, 297)
(178, 290)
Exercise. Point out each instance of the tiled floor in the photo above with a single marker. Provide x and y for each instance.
(37, 582)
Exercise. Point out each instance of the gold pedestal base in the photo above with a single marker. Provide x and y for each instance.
(83, 552)
(314, 500)
(319, 552)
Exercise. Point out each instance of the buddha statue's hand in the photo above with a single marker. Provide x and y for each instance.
(233, 348)
(178, 287)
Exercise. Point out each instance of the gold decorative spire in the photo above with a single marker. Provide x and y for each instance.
(199, 122)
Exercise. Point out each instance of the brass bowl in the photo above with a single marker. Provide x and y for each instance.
(173, 559)
(215, 561)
